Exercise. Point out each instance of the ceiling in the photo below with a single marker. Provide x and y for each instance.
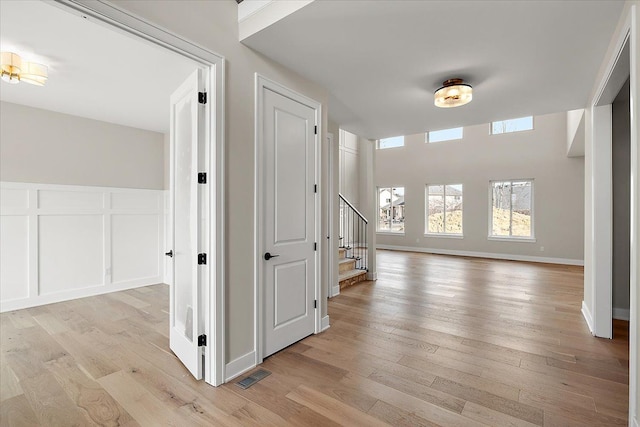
(94, 71)
(382, 60)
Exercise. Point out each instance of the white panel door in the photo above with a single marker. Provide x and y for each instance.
(289, 221)
(186, 283)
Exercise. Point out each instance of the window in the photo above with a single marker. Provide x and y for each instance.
(391, 209)
(393, 142)
(444, 135)
(512, 209)
(513, 125)
(444, 209)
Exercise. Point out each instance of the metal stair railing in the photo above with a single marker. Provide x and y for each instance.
(353, 233)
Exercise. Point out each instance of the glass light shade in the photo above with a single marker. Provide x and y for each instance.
(11, 65)
(34, 73)
(453, 93)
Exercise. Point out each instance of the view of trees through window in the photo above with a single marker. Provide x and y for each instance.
(393, 142)
(512, 203)
(444, 209)
(391, 209)
(512, 125)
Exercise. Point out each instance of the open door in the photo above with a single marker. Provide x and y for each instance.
(187, 309)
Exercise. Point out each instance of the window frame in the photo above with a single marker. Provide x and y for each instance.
(391, 232)
(444, 234)
(510, 238)
(378, 147)
(533, 125)
(427, 138)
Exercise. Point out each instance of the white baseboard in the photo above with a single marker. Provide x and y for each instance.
(372, 275)
(491, 255)
(324, 323)
(335, 290)
(587, 316)
(75, 294)
(621, 314)
(240, 365)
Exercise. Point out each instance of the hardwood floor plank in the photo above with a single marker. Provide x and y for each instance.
(491, 417)
(398, 417)
(332, 409)
(16, 412)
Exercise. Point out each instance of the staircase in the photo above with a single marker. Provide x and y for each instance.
(352, 253)
(348, 274)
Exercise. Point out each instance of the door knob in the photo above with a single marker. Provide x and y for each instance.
(268, 256)
(170, 253)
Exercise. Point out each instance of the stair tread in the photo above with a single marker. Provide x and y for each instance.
(346, 260)
(349, 274)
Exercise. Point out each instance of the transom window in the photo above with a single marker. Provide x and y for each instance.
(393, 142)
(512, 125)
(390, 209)
(444, 209)
(511, 209)
(443, 135)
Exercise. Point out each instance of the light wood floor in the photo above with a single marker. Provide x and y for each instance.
(435, 341)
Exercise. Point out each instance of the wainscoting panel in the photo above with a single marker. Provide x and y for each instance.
(60, 242)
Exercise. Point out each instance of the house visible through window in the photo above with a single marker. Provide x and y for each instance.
(511, 209)
(444, 135)
(391, 209)
(444, 209)
(512, 125)
(396, 141)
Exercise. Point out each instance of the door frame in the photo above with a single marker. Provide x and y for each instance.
(333, 288)
(121, 20)
(597, 263)
(262, 83)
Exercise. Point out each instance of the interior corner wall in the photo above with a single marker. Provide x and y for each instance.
(42, 146)
(621, 154)
(350, 167)
(214, 25)
(475, 160)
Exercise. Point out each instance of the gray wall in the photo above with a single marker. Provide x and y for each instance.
(42, 146)
(475, 160)
(621, 154)
(214, 25)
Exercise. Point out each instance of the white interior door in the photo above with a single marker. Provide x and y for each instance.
(289, 221)
(185, 297)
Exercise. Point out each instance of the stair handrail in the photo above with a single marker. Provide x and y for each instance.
(353, 208)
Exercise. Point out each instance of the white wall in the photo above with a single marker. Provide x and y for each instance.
(60, 242)
(42, 146)
(214, 25)
(475, 160)
(350, 161)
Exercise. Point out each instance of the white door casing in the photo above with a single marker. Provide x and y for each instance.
(187, 308)
(287, 224)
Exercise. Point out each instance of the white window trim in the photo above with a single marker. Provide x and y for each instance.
(426, 214)
(533, 126)
(386, 232)
(531, 238)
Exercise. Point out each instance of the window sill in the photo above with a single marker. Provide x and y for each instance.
(512, 239)
(446, 236)
(392, 233)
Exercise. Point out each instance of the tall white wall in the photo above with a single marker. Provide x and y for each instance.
(42, 146)
(475, 160)
(350, 165)
(214, 25)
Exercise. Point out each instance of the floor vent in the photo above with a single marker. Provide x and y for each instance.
(247, 382)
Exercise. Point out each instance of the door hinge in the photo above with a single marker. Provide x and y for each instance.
(315, 188)
(315, 303)
(202, 97)
(315, 130)
(202, 259)
(202, 177)
(202, 340)
(315, 246)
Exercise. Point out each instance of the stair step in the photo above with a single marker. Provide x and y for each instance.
(346, 264)
(342, 253)
(351, 277)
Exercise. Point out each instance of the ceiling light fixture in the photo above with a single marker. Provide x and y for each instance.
(15, 70)
(453, 93)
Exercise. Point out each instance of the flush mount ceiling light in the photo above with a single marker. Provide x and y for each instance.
(453, 93)
(15, 70)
